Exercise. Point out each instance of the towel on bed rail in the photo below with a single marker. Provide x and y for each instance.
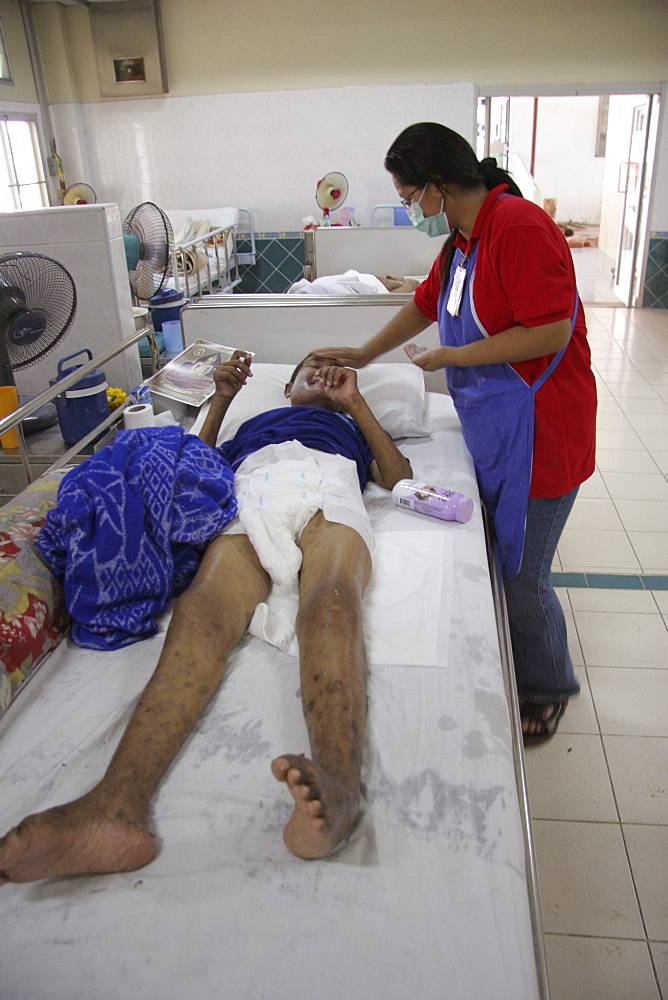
(129, 529)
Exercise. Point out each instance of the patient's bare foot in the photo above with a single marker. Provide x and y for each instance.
(325, 809)
(75, 839)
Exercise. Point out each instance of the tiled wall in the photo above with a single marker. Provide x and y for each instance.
(88, 241)
(265, 150)
(655, 295)
(279, 262)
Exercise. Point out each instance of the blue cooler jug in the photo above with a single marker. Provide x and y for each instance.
(167, 304)
(84, 405)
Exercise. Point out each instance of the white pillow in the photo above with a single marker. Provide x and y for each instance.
(394, 392)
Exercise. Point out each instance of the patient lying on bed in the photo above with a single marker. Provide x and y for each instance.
(106, 830)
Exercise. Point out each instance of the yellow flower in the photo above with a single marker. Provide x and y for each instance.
(115, 397)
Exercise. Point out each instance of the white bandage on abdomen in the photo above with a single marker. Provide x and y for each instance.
(279, 489)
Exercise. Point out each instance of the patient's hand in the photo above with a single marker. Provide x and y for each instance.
(232, 375)
(391, 281)
(339, 384)
(395, 283)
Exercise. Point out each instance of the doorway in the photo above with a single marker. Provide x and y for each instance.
(587, 160)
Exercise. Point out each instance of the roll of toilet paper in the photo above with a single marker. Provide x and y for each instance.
(140, 415)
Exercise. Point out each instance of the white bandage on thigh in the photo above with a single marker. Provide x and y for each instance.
(279, 489)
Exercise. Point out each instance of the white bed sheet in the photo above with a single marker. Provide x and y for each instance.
(429, 897)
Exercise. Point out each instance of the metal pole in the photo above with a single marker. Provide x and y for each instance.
(64, 383)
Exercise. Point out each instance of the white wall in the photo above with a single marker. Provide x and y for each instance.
(566, 167)
(263, 151)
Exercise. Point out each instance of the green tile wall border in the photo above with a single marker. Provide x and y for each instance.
(611, 581)
(655, 292)
(279, 262)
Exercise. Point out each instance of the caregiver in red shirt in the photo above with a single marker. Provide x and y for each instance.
(517, 362)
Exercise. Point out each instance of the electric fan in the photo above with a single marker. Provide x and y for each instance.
(149, 242)
(38, 301)
(79, 194)
(331, 192)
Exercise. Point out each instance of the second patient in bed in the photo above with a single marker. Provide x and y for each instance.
(107, 830)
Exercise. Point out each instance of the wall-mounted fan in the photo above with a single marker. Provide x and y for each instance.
(38, 301)
(79, 194)
(149, 241)
(331, 192)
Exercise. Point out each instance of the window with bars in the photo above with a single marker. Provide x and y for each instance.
(22, 181)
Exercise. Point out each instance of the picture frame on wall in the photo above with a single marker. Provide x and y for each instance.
(129, 53)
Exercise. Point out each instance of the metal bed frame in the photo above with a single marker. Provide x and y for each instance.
(15, 419)
(392, 207)
(219, 275)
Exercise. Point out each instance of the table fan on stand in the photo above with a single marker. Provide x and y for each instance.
(149, 243)
(331, 192)
(38, 301)
(79, 194)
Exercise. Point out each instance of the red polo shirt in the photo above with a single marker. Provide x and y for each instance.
(524, 276)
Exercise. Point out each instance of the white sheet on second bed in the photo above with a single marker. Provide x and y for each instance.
(428, 898)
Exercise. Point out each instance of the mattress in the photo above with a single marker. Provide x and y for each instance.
(430, 896)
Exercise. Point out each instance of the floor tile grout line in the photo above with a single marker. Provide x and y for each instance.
(621, 830)
(594, 822)
(602, 937)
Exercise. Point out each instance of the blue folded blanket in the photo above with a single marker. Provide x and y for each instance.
(129, 530)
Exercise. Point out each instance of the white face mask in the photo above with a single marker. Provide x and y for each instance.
(432, 225)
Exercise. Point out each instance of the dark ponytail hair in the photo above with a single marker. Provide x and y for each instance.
(430, 153)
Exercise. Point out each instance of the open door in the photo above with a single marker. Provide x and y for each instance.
(633, 185)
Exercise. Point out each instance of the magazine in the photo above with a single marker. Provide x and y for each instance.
(189, 376)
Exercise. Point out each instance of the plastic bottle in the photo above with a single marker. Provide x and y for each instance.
(427, 499)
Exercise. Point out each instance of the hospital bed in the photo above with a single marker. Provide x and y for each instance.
(205, 255)
(434, 893)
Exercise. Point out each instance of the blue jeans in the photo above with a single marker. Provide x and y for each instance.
(543, 667)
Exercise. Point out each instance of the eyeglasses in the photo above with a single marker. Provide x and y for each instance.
(407, 202)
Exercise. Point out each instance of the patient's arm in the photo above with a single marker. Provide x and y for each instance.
(395, 283)
(389, 465)
(229, 377)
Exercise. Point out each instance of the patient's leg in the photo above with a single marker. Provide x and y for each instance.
(326, 788)
(107, 829)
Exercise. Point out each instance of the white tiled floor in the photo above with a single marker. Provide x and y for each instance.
(599, 789)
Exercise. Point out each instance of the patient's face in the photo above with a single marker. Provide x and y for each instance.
(305, 389)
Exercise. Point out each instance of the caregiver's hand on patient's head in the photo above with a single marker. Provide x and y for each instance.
(355, 357)
(232, 375)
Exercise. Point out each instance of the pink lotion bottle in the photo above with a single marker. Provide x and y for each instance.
(433, 500)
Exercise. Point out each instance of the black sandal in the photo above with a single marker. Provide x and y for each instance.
(534, 711)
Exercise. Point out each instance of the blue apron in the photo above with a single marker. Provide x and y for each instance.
(496, 410)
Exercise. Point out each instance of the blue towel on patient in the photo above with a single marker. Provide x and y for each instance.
(129, 530)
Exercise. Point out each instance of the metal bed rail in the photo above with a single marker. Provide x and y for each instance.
(384, 208)
(249, 257)
(221, 275)
(221, 268)
(16, 418)
(508, 669)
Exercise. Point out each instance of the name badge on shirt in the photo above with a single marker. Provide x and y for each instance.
(456, 291)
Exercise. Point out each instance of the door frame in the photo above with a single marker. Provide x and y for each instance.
(599, 90)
